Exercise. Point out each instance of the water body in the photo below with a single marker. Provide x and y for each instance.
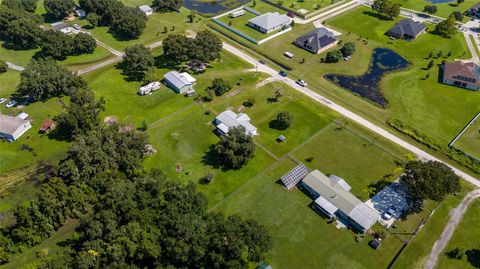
(368, 85)
(439, 1)
(212, 7)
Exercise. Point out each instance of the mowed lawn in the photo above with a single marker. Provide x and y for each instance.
(469, 142)
(32, 146)
(241, 24)
(444, 9)
(468, 237)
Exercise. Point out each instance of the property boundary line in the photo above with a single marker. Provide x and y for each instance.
(464, 129)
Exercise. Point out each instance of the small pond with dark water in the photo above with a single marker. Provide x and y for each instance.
(212, 6)
(368, 85)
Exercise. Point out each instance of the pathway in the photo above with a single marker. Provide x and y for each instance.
(422, 155)
(471, 47)
(456, 215)
(14, 66)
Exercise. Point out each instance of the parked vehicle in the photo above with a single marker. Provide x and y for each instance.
(283, 73)
(291, 15)
(12, 103)
(289, 54)
(302, 83)
(76, 27)
(262, 61)
(2, 100)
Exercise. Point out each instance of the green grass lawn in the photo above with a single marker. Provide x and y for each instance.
(444, 9)
(469, 142)
(241, 24)
(428, 106)
(308, 6)
(467, 237)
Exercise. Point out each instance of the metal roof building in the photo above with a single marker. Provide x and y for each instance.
(179, 82)
(269, 22)
(11, 128)
(229, 119)
(335, 195)
(292, 177)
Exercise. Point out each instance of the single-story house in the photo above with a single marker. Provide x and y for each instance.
(147, 10)
(462, 74)
(407, 29)
(269, 22)
(179, 82)
(11, 128)
(47, 126)
(317, 40)
(332, 198)
(150, 87)
(229, 119)
(80, 13)
(62, 27)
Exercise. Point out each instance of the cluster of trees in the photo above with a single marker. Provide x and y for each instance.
(234, 149)
(138, 61)
(3, 67)
(43, 79)
(58, 45)
(219, 86)
(168, 5)
(26, 5)
(124, 21)
(284, 120)
(19, 28)
(387, 8)
(58, 9)
(347, 50)
(430, 9)
(448, 27)
(428, 180)
(205, 47)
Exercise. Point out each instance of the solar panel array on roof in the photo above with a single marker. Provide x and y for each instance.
(294, 176)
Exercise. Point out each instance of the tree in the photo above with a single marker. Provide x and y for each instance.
(177, 48)
(56, 45)
(284, 120)
(220, 86)
(430, 64)
(387, 8)
(3, 67)
(43, 79)
(460, 1)
(430, 9)
(26, 5)
(167, 5)
(192, 15)
(130, 23)
(428, 180)
(138, 60)
(447, 27)
(457, 253)
(348, 49)
(93, 19)
(23, 34)
(83, 44)
(235, 148)
(458, 15)
(206, 47)
(58, 9)
(333, 56)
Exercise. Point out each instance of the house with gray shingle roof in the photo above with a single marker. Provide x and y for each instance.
(269, 22)
(406, 29)
(317, 40)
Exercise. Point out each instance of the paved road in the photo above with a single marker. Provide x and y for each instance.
(422, 155)
(471, 47)
(456, 216)
(14, 66)
(337, 10)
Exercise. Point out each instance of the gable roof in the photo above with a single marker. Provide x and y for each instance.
(230, 119)
(292, 177)
(407, 27)
(59, 25)
(344, 200)
(145, 8)
(179, 80)
(316, 39)
(9, 125)
(462, 71)
(270, 20)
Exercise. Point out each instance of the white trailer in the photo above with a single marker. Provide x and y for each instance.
(149, 88)
(237, 13)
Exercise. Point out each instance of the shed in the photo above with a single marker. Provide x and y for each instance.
(47, 126)
(80, 13)
(375, 243)
(281, 138)
(179, 82)
(147, 10)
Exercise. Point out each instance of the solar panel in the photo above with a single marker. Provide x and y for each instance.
(294, 176)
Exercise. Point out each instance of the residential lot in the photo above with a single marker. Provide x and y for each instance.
(469, 142)
(444, 9)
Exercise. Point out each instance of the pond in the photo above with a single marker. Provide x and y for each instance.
(368, 85)
(212, 6)
(439, 1)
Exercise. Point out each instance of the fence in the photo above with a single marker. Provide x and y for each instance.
(235, 31)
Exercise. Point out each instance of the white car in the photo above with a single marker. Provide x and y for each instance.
(11, 103)
(2, 100)
(302, 83)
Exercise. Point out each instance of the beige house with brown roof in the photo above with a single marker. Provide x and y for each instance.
(462, 74)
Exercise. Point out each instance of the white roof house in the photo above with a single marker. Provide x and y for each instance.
(11, 128)
(269, 22)
(147, 10)
(335, 194)
(22, 115)
(179, 82)
(151, 87)
(62, 27)
(80, 13)
(229, 119)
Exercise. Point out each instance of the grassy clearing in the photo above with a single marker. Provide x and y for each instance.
(469, 142)
(467, 237)
(308, 6)
(444, 9)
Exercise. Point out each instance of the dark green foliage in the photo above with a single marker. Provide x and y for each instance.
(83, 44)
(43, 79)
(166, 5)
(82, 115)
(56, 45)
(235, 148)
(205, 48)
(137, 60)
(430, 9)
(22, 33)
(26, 5)
(348, 49)
(447, 27)
(428, 180)
(387, 8)
(430, 64)
(220, 86)
(456, 253)
(3, 67)
(333, 56)
(107, 10)
(93, 19)
(130, 24)
(177, 47)
(58, 9)
(458, 15)
(284, 120)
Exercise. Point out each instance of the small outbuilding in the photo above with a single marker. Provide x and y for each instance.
(80, 13)
(375, 243)
(149, 88)
(147, 10)
(47, 126)
(12, 128)
(407, 29)
(237, 13)
(281, 138)
(62, 27)
(179, 82)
